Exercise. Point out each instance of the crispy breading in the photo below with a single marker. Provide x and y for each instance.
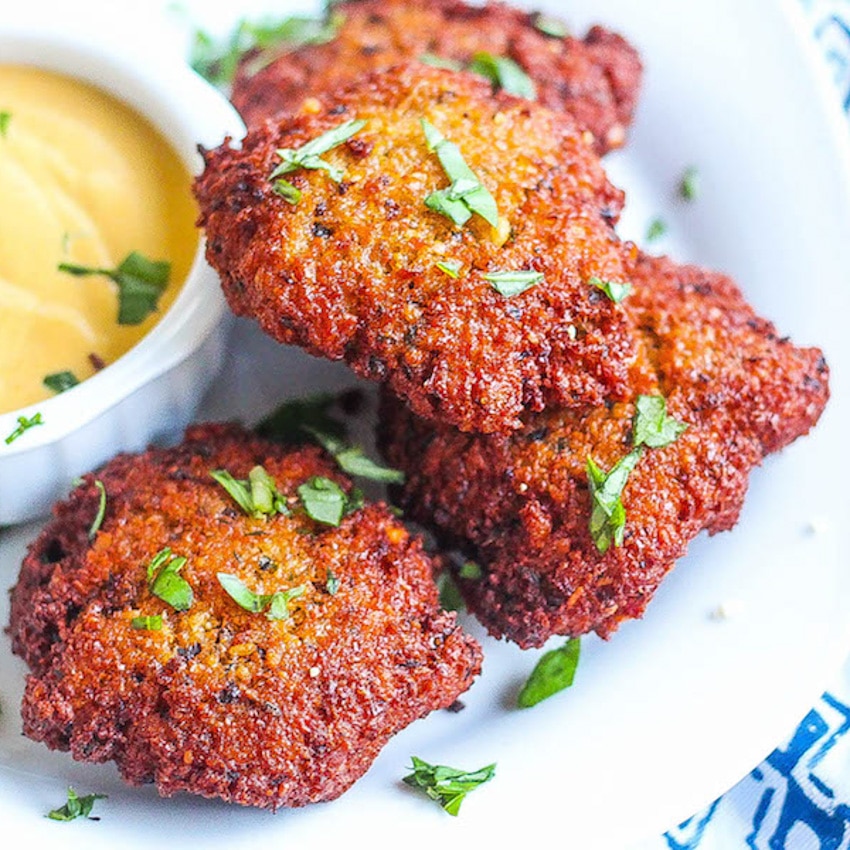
(350, 272)
(221, 701)
(520, 504)
(595, 79)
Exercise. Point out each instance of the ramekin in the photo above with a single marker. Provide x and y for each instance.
(152, 392)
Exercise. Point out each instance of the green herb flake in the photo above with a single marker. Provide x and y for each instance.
(309, 155)
(291, 194)
(217, 60)
(513, 283)
(101, 509)
(613, 289)
(76, 807)
(324, 500)
(657, 228)
(24, 425)
(60, 382)
(652, 426)
(277, 603)
(147, 623)
(447, 785)
(436, 61)
(165, 582)
(466, 195)
(257, 495)
(689, 184)
(554, 671)
(352, 460)
(504, 73)
(290, 422)
(450, 597)
(331, 583)
(608, 516)
(5, 118)
(470, 570)
(141, 282)
(550, 26)
(450, 267)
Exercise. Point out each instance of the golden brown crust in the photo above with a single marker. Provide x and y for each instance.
(350, 271)
(520, 504)
(595, 79)
(223, 702)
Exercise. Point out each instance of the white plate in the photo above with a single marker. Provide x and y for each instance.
(677, 707)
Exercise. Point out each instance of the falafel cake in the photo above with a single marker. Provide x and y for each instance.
(595, 79)
(224, 618)
(576, 518)
(443, 240)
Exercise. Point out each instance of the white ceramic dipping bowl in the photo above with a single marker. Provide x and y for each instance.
(152, 392)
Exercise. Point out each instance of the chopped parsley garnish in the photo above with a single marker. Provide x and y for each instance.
(148, 623)
(550, 26)
(257, 495)
(101, 509)
(652, 426)
(470, 570)
(289, 422)
(76, 807)
(309, 156)
(165, 582)
(5, 118)
(217, 61)
(60, 382)
(324, 500)
(504, 73)
(140, 282)
(554, 671)
(513, 283)
(466, 195)
(352, 460)
(657, 228)
(615, 290)
(331, 583)
(277, 603)
(689, 184)
(447, 785)
(450, 267)
(608, 516)
(436, 61)
(24, 425)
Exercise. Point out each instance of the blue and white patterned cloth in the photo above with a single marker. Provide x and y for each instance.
(799, 797)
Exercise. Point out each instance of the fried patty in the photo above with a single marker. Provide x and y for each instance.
(222, 701)
(520, 504)
(595, 79)
(351, 270)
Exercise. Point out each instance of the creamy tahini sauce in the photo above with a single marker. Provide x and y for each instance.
(85, 180)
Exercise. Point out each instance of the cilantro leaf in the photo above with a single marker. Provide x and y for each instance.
(324, 500)
(290, 422)
(613, 289)
(447, 785)
(165, 582)
(657, 228)
(466, 195)
(652, 426)
(450, 267)
(5, 118)
(24, 425)
(689, 184)
(554, 671)
(309, 156)
(436, 61)
(277, 603)
(352, 460)
(140, 282)
(510, 283)
(550, 26)
(101, 510)
(60, 382)
(147, 623)
(608, 516)
(258, 496)
(504, 73)
(76, 807)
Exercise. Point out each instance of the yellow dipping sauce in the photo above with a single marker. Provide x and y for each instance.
(84, 180)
